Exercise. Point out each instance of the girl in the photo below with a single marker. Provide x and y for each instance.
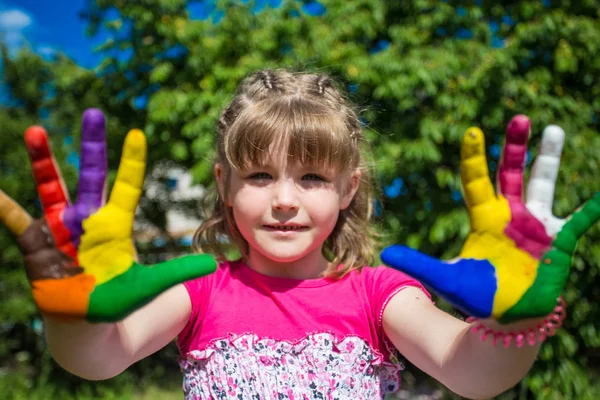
(300, 314)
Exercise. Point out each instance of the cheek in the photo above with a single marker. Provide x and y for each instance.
(247, 203)
(324, 207)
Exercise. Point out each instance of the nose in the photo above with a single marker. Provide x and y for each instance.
(285, 195)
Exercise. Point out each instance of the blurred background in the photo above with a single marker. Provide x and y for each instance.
(420, 71)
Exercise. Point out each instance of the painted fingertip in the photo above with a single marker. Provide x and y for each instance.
(36, 140)
(553, 139)
(16, 219)
(135, 145)
(518, 129)
(473, 142)
(93, 124)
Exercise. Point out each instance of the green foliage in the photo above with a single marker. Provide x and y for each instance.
(439, 75)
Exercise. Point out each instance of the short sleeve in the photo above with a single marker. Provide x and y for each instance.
(382, 283)
(199, 290)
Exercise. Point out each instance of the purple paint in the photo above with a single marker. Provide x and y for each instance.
(92, 173)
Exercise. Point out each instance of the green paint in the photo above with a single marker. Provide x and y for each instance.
(554, 266)
(115, 299)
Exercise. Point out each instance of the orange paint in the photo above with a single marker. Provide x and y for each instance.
(67, 297)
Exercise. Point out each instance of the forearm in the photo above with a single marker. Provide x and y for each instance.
(101, 351)
(480, 369)
(445, 348)
(91, 351)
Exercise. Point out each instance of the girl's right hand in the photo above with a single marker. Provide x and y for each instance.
(79, 258)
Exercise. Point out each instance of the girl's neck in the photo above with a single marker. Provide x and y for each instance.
(311, 266)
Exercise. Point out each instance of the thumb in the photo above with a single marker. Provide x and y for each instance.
(469, 285)
(114, 299)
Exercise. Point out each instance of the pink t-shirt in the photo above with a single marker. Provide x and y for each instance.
(269, 337)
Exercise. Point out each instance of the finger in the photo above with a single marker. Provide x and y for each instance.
(13, 216)
(92, 173)
(542, 182)
(512, 163)
(48, 180)
(576, 225)
(114, 299)
(474, 173)
(130, 176)
(469, 285)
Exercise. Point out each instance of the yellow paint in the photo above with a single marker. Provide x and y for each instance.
(516, 270)
(16, 219)
(106, 248)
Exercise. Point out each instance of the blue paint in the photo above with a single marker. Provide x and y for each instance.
(469, 285)
(461, 11)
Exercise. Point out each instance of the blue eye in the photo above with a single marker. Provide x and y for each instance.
(313, 177)
(259, 176)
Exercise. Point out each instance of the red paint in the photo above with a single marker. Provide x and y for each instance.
(524, 229)
(50, 187)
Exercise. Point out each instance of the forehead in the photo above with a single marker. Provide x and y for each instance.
(278, 157)
(304, 136)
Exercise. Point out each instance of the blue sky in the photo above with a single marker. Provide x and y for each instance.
(47, 27)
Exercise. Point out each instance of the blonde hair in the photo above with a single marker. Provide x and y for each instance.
(307, 115)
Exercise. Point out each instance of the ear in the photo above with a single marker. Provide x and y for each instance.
(219, 172)
(351, 188)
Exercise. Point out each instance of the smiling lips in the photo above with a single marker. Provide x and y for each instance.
(285, 227)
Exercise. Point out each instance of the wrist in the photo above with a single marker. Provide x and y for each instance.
(530, 331)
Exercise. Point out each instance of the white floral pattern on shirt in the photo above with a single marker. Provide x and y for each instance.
(317, 367)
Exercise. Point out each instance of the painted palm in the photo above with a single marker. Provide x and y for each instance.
(516, 259)
(80, 258)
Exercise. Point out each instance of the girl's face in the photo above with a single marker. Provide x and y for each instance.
(286, 212)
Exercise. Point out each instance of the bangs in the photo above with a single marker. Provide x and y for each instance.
(308, 133)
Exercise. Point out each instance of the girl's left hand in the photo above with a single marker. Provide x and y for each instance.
(513, 266)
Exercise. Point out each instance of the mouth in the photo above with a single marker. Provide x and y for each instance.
(285, 227)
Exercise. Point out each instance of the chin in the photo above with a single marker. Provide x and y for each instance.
(284, 258)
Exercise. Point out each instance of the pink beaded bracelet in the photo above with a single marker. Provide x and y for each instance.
(533, 335)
